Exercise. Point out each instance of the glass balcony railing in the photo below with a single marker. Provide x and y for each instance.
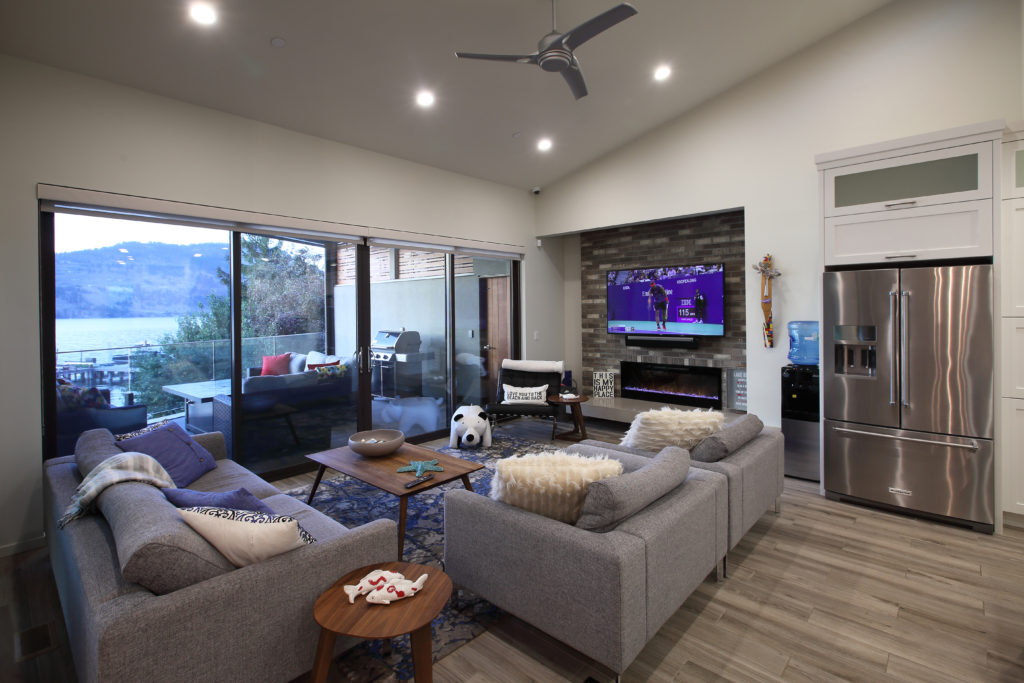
(138, 374)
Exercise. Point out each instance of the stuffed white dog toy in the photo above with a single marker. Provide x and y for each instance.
(471, 426)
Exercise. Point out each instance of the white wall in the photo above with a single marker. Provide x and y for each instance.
(65, 129)
(912, 67)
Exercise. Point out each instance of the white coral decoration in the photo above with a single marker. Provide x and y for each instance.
(655, 429)
(375, 579)
(395, 589)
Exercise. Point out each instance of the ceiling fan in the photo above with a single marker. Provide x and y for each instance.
(554, 51)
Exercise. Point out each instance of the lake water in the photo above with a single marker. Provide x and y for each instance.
(88, 334)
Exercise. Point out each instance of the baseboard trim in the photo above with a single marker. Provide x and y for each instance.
(22, 546)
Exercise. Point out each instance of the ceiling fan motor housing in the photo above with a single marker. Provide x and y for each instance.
(555, 59)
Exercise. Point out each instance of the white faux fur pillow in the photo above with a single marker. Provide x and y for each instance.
(655, 429)
(550, 484)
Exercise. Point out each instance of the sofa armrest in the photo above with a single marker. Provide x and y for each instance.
(587, 589)
(630, 462)
(219, 629)
(618, 447)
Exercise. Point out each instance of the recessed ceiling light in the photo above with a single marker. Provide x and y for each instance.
(544, 144)
(202, 13)
(662, 72)
(425, 99)
(278, 42)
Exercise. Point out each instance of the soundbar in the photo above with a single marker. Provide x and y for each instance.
(660, 340)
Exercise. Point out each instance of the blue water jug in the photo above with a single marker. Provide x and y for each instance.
(803, 342)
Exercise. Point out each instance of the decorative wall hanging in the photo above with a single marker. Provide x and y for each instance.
(768, 273)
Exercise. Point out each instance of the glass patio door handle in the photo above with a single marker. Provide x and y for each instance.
(487, 347)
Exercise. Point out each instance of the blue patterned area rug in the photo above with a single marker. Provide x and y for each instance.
(353, 503)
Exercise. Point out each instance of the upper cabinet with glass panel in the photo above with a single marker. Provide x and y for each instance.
(941, 176)
(1013, 161)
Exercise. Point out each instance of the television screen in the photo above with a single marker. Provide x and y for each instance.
(682, 301)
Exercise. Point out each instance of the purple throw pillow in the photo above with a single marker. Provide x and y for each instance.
(178, 453)
(239, 499)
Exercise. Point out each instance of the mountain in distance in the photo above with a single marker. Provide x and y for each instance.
(137, 279)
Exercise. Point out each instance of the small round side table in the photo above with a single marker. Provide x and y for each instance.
(364, 620)
(579, 431)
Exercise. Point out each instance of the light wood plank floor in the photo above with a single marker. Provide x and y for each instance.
(824, 591)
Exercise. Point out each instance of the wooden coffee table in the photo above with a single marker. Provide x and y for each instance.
(579, 431)
(382, 473)
(364, 620)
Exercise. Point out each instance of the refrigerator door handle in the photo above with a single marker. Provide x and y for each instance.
(972, 446)
(892, 347)
(904, 360)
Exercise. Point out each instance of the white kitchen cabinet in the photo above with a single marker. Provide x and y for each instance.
(1011, 251)
(1013, 166)
(1012, 351)
(1011, 438)
(938, 176)
(961, 230)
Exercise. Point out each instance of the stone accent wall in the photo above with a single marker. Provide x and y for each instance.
(715, 238)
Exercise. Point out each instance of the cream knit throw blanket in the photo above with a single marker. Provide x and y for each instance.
(128, 466)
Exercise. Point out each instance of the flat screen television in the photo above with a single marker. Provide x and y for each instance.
(669, 301)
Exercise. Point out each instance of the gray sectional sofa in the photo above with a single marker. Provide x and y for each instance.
(606, 585)
(199, 619)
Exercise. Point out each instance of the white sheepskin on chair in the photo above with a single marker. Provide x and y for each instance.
(655, 429)
(550, 484)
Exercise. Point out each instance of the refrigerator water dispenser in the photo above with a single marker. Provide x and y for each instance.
(855, 350)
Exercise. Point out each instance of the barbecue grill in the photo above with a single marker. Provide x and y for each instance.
(396, 364)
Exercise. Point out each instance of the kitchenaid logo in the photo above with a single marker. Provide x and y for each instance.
(900, 492)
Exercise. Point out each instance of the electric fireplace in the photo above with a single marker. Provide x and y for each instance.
(681, 384)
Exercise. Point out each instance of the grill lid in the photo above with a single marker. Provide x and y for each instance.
(396, 341)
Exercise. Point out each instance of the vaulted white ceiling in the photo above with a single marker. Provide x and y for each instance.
(349, 71)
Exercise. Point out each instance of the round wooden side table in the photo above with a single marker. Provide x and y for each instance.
(364, 620)
(579, 431)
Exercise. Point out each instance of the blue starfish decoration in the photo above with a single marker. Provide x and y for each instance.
(421, 466)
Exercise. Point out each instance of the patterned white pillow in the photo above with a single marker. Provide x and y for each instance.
(550, 484)
(655, 429)
(525, 395)
(246, 537)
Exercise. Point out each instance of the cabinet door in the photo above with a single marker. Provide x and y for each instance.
(954, 174)
(961, 230)
(1012, 455)
(1012, 382)
(1013, 169)
(1012, 257)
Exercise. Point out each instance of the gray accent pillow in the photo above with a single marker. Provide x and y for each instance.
(155, 547)
(297, 363)
(609, 501)
(728, 440)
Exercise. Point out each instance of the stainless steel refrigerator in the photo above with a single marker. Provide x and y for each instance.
(909, 390)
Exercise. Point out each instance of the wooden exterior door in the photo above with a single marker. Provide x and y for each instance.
(494, 327)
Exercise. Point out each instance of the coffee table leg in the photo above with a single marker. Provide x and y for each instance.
(422, 655)
(324, 650)
(465, 482)
(316, 483)
(403, 503)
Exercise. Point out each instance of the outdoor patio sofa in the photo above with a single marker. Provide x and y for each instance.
(201, 619)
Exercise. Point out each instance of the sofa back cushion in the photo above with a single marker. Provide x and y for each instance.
(730, 439)
(550, 484)
(609, 501)
(155, 547)
(654, 429)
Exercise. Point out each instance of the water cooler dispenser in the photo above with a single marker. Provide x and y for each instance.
(800, 413)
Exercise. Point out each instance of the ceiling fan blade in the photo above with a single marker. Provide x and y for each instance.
(521, 59)
(602, 22)
(574, 77)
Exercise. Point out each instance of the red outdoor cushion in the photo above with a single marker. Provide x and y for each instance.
(276, 365)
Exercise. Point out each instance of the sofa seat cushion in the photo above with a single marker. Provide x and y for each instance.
(319, 525)
(550, 484)
(730, 439)
(229, 476)
(609, 501)
(155, 547)
(654, 429)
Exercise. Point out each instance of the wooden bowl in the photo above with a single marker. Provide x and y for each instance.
(374, 443)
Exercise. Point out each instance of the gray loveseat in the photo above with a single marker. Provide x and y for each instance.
(201, 619)
(605, 586)
(751, 456)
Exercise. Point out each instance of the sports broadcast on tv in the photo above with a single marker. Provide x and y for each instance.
(671, 301)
